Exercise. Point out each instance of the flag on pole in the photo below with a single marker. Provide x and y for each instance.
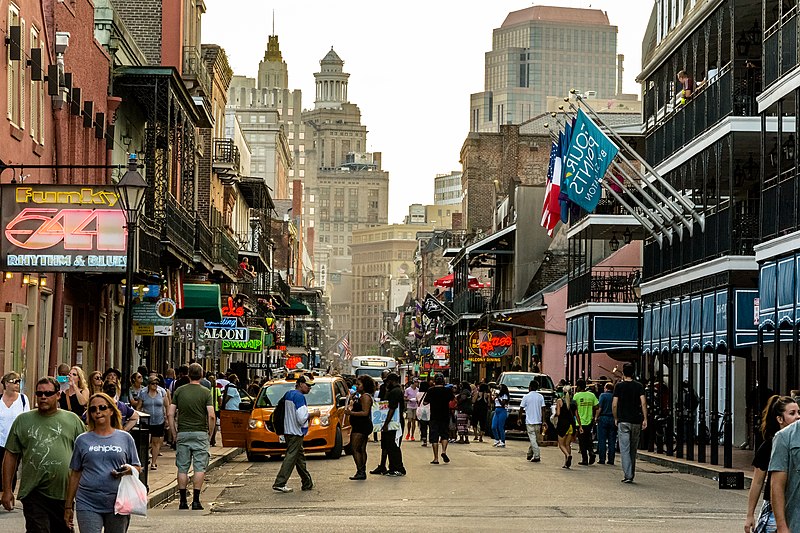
(549, 187)
(589, 155)
(384, 337)
(346, 353)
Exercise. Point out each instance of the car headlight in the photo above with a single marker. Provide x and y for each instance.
(255, 424)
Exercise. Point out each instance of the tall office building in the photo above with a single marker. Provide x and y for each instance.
(545, 51)
(447, 188)
(345, 185)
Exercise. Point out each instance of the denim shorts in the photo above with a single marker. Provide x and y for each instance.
(191, 449)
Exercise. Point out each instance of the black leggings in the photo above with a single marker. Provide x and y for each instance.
(423, 430)
(359, 444)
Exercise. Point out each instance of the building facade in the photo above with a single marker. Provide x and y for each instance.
(545, 51)
(447, 188)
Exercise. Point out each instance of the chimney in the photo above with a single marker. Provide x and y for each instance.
(620, 70)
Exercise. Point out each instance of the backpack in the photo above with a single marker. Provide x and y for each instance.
(278, 417)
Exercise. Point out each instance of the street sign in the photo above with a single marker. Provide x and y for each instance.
(165, 308)
(467, 366)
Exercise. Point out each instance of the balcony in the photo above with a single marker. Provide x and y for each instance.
(603, 284)
(241, 287)
(472, 302)
(149, 249)
(194, 69)
(295, 337)
(226, 253)
(780, 47)
(179, 229)
(203, 243)
(226, 158)
(254, 246)
(725, 234)
(280, 289)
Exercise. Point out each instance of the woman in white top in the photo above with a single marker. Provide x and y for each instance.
(12, 404)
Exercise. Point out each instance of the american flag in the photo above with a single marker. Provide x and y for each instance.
(384, 337)
(551, 190)
(346, 347)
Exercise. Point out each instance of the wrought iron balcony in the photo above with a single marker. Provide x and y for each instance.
(226, 157)
(254, 246)
(280, 289)
(241, 287)
(149, 249)
(226, 253)
(472, 302)
(203, 242)
(194, 68)
(603, 284)
(179, 228)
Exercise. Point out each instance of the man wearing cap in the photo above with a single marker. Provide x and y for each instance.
(295, 428)
(390, 439)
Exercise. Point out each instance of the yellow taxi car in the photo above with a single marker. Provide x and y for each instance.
(252, 430)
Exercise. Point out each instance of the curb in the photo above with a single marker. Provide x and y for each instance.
(707, 471)
(160, 496)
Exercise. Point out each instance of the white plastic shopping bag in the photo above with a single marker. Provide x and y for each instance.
(131, 495)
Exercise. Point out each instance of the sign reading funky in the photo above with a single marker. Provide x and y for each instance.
(62, 228)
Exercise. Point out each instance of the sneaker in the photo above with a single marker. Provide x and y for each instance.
(626, 480)
(309, 487)
(445, 458)
(501, 445)
(536, 460)
(569, 461)
(424, 444)
(283, 489)
(412, 438)
(378, 471)
(496, 443)
(529, 458)
(583, 463)
(408, 437)
(183, 505)
(592, 459)
(196, 506)
(610, 463)
(360, 476)
(601, 462)
(394, 473)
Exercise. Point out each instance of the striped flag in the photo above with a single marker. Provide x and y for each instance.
(548, 189)
(348, 355)
(384, 337)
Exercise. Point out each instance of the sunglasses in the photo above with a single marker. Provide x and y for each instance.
(12, 381)
(95, 408)
(98, 378)
(48, 393)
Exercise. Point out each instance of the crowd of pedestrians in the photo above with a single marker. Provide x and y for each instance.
(63, 456)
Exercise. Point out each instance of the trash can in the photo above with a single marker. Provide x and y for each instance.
(141, 436)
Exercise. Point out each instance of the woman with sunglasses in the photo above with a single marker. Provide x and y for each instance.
(155, 402)
(94, 476)
(12, 404)
(95, 382)
(76, 397)
(136, 390)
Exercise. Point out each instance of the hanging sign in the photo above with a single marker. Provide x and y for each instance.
(232, 309)
(489, 345)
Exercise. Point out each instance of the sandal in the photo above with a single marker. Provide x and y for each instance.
(153, 467)
(434, 462)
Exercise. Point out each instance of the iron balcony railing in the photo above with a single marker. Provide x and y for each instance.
(226, 253)
(149, 249)
(195, 68)
(179, 227)
(780, 205)
(780, 47)
(472, 301)
(725, 234)
(241, 287)
(603, 284)
(226, 156)
(203, 241)
(280, 288)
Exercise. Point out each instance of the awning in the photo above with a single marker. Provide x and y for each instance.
(201, 302)
(295, 308)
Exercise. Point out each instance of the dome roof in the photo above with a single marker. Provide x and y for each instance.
(332, 57)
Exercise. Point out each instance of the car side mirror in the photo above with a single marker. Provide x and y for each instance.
(341, 402)
(246, 405)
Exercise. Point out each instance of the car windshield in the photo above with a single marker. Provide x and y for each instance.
(320, 394)
(523, 380)
(374, 372)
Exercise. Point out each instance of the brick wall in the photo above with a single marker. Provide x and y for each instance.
(508, 157)
(143, 20)
(203, 192)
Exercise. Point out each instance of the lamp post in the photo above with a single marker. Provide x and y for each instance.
(130, 191)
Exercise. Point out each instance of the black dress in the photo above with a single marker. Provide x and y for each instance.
(74, 404)
(566, 420)
(360, 424)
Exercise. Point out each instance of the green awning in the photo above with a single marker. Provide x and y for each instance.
(296, 308)
(201, 302)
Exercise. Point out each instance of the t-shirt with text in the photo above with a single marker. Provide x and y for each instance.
(45, 445)
(585, 401)
(786, 458)
(96, 456)
(192, 401)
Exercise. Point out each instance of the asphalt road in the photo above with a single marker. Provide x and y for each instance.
(482, 489)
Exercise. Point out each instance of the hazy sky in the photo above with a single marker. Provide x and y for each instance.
(412, 66)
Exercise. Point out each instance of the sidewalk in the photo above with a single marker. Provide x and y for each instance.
(163, 484)
(741, 463)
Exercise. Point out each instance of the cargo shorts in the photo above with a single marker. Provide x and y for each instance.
(192, 450)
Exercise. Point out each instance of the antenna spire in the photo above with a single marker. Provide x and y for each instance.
(273, 22)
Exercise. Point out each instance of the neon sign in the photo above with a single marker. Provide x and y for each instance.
(48, 228)
(232, 309)
(492, 344)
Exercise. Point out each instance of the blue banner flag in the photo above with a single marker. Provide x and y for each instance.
(589, 155)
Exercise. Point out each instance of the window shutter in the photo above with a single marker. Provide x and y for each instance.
(9, 70)
(22, 70)
(34, 95)
(41, 104)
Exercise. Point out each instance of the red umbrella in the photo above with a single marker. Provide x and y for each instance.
(447, 282)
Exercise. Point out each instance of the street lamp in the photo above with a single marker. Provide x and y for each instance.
(130, 191)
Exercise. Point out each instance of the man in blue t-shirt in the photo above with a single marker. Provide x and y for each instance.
(295, 426)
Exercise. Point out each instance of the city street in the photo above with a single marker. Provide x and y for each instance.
(482, 489)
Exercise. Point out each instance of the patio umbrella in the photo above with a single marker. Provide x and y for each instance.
(447, 282)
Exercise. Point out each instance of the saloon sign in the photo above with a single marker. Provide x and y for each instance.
(62, 228)
(489, 345)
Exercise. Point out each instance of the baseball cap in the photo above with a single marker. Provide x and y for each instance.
(305, 379)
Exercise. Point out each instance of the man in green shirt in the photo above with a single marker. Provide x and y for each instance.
(42, 440)
(196, 422)
(587, 408)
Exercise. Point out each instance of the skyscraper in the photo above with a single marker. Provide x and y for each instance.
(545, 51)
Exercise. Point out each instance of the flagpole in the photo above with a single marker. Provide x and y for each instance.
(666, 219)
(679, 197)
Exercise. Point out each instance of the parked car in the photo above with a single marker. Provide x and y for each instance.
(517, 383)
(251, 427)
